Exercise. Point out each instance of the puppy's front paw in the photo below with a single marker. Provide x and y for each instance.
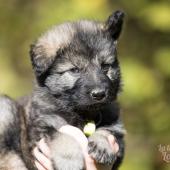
(100, 148)
(66, 153)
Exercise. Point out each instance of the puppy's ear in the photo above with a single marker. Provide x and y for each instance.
(114, 24)
(41, 61)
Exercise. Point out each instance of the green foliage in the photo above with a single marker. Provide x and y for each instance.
(162, 60)
(144, 52)
(157, 16)
(139, 80)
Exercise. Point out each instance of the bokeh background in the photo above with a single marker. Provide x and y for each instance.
(144, 53)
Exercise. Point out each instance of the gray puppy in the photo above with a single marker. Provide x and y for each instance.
(78, 80)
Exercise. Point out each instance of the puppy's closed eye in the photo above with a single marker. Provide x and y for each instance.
(74, 70)
(105, 67)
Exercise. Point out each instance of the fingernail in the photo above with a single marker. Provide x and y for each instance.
(116, 147)
(35, 151)
(112, 139)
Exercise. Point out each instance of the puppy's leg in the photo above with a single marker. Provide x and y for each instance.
(99, 146)
(66, 153)
(8, 111)
(100, 149)
(9, 135)
(11, 161)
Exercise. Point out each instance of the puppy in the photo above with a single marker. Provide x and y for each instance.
(77, 80)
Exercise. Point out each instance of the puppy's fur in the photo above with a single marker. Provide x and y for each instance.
(78, 79)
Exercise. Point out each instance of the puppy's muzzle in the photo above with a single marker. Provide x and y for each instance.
(98, 94)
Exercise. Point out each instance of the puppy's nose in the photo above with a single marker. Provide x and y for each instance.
(98, 94)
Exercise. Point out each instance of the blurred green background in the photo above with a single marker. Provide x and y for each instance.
(144, 53)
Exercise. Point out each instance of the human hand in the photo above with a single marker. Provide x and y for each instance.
(42, 152)
(42, 155)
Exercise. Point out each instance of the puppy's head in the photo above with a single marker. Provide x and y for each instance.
(77, 61)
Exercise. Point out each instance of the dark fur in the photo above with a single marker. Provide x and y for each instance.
(72, 63)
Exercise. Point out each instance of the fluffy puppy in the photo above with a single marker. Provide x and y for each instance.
(77, 80)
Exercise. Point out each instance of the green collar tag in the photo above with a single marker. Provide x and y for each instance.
(89, 128)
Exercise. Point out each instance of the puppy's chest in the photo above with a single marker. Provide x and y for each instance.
(43, 122)
(79, 120)
(88, 118)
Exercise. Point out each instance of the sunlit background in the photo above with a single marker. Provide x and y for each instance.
(144, 53)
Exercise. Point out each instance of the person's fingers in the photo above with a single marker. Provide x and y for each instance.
(43, 162)
(77, 134)
(92, 165)
(44, 148)
(42, 159)
(114, 145)
(39, 166)
(89, 162)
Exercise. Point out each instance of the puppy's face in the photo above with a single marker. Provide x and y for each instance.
(77, 62)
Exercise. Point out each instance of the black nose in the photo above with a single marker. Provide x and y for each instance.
(98, 94)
